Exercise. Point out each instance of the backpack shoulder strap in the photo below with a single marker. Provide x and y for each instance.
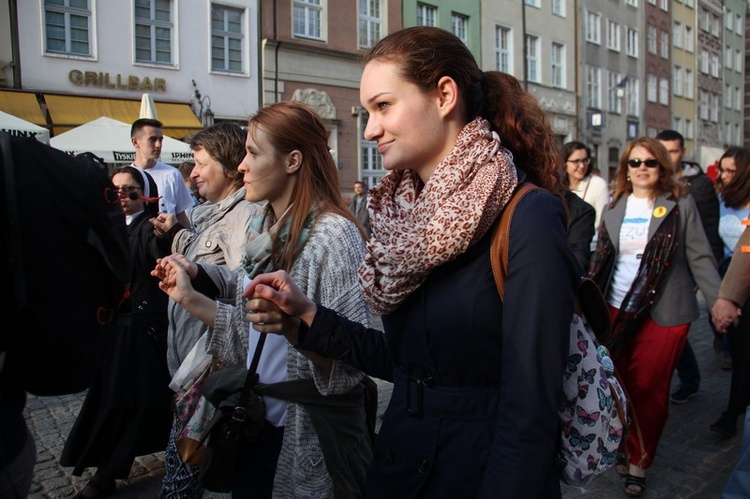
(499, 246)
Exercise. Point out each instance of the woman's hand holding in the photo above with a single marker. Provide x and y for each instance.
(268, 318)
(176, 281)
(724, 314)
(280, 290)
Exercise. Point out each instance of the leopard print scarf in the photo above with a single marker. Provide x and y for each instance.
(414, 231)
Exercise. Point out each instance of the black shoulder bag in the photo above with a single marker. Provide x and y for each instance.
(231, 429)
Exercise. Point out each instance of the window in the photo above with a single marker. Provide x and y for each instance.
(728, 57)
(664, 91)
(737, 99)
(651, 30)
(689, 3)
(738, 133)
(703, 104)
(738, 26)
(677, 84)
(153, 31)
(632, 3)
(227, 39)
(632, 90)
(688, 129)
(460, 25)
(727, 133)
(715, 65)
(502, 49)
(532, 58)
(715, 107)
(728, 97)
(664, 44)
(67, 27)
(689, 92)
(703, 61)
(728, 20)
(557, 70)
(677, 34)
(558, 7)
(372, 162)
(738, 56)
(369, 22)
(652, 90)
(664, 5)
(632, 47)
(593, 87)
(613, 35)
(615, 92)
(426, 15)
(689, 42)
(532, 3)
(593, 27)
(704, 20)
(677, 124)
(307, 19)
(714, 26)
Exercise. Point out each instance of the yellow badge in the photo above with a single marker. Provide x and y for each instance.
(660, 211)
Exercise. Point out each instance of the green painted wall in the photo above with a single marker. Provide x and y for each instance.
(445, 8)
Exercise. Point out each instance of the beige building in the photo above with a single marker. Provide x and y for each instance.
(684, 72)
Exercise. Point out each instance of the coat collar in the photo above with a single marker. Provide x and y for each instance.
(613, 217)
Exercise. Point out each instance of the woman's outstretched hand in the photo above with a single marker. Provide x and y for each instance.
(278, 289)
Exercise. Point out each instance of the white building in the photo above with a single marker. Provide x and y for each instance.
(67, 62)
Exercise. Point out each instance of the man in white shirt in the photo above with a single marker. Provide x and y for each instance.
(146, 136)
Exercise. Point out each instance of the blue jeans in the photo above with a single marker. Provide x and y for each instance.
(687, 369)
(738, 486)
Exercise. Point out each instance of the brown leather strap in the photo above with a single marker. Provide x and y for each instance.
(499, 246)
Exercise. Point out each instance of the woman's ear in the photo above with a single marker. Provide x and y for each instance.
(447, 89)
(294, 161)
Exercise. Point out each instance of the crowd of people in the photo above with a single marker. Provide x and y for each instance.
(251, 257)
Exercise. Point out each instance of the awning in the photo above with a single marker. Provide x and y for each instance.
(22, 105)
(17, 127)
(68, 111)
(110, 140)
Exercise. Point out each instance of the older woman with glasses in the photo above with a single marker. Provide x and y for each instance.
(651, 240)
(579, 179)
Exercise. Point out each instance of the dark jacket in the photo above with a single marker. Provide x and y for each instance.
(702, 189)
(477, 382)
(360, 212)
(581, 217)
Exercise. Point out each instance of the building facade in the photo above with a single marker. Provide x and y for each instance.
(709, 143)
(684, 72)
(611, 68)
(734, 72)
(657, 113)
(77, 60)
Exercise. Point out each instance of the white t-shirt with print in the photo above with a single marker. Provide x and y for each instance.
(633, 240)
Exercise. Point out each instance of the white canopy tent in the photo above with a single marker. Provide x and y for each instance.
(21, 128)
(110, 140)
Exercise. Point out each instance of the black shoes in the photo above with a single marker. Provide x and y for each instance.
(725, 426)
(682, 395)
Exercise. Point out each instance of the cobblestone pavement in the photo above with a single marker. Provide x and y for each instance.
(691, 462)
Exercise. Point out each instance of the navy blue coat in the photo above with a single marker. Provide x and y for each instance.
(477, 382)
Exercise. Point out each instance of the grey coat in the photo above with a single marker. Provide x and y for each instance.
(217, 236)
(676, 303)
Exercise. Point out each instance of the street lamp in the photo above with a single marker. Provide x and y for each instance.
(204, 107)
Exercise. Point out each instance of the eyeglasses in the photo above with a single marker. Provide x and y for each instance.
(584, 161)
(651, 163)
(727, 171)
(126, 189)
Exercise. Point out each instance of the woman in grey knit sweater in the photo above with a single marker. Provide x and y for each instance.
(306, 229)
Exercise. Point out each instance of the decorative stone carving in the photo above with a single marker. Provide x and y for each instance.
(318, 100)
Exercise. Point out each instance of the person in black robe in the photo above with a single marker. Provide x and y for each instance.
(127, 411)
